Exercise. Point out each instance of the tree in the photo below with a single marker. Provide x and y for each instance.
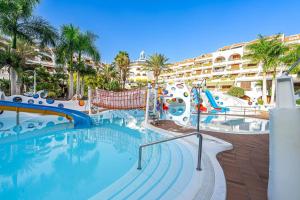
(4, 86)
(17, 22)
(264, 52)
(87, 71)
(292, 56)
(156, 63)
(65, 52)
(109, 73)
(105, 79)
(17, 59)
(123, 62)
(85, 45)
(52, 82)
(277, 52)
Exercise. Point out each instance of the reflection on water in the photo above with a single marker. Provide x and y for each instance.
(72, 164)
(16, 123)
(231, 123)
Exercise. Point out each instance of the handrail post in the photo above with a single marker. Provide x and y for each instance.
(199, 152)
(140, 159)
(200, 139)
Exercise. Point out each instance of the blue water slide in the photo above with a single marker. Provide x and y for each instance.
(213, 102)
(80, 119)
(208, 119)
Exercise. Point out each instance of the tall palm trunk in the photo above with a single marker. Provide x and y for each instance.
(273, 86)
(18, 84)
(78, 76)
(71, 87)
(13, 81)
(264, 90)
(156, 73)
(13, 72)
(156, 79)
(78, 83)
(82, 86)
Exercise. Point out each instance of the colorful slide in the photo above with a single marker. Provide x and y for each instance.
(80, 119)
(202, 108)
(213, 102)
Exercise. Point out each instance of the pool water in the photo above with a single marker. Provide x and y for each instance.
(12, 123)
(234, 124)
(72, 163)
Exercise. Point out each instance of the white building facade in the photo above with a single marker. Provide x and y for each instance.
(224, 68)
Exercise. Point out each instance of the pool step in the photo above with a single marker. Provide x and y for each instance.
(169, 167)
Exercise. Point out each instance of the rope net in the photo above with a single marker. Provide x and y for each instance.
(130, 99)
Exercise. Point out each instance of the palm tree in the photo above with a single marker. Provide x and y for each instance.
(17, 22)
(85, 72)
(108, 73)
(122, 61)
(260, 52)
(65, 52)
(17, 59)
(85, 45)
(291, 57)
(277, 53)
(156, 63)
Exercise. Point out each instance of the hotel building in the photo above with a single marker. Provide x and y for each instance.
(225, 68)
(44, 57)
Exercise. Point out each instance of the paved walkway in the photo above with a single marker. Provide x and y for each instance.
(245, 166)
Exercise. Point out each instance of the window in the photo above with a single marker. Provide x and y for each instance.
(246, 85)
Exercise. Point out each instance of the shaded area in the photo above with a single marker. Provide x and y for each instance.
(246, 166)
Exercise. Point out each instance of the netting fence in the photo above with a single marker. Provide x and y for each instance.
(129, 99)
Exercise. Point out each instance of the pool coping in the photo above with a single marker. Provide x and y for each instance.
(231, 132)
(219, 191)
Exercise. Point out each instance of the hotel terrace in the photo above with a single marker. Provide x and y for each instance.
(224, 68)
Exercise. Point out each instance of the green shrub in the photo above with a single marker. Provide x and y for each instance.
(51, 95)
(260, 102)
(113, 86)
(4, 86)
(298, 101)
(236, 92)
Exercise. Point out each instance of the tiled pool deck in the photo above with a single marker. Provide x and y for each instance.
(245, 166)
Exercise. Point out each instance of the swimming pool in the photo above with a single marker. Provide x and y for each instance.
(234, 124)
(98, 162)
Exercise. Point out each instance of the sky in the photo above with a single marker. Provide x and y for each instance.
(179, 29)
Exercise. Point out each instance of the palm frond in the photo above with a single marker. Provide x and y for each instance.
(40, 30)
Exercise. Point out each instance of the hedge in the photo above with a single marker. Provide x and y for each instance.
(236, 92)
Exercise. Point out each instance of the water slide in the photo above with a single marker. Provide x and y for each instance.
(80, 119)
(213, 102)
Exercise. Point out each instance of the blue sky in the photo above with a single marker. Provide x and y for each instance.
(177, 28)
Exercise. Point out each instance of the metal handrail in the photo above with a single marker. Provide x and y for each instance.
(292, 67)
(170, 139)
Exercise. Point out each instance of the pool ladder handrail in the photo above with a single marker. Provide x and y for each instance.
(170, 139)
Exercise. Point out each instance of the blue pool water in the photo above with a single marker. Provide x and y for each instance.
(66, 163)
(234, 124)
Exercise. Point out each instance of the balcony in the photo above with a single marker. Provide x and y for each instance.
(219, 69)
(220, 59)
(207, 71)
(207, 64)
(234, 67)
(235, 57)
(250, 66)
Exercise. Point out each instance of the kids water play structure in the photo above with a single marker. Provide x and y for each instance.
(81, 120)
(44, 106)
(213, 102)
(177, 102)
